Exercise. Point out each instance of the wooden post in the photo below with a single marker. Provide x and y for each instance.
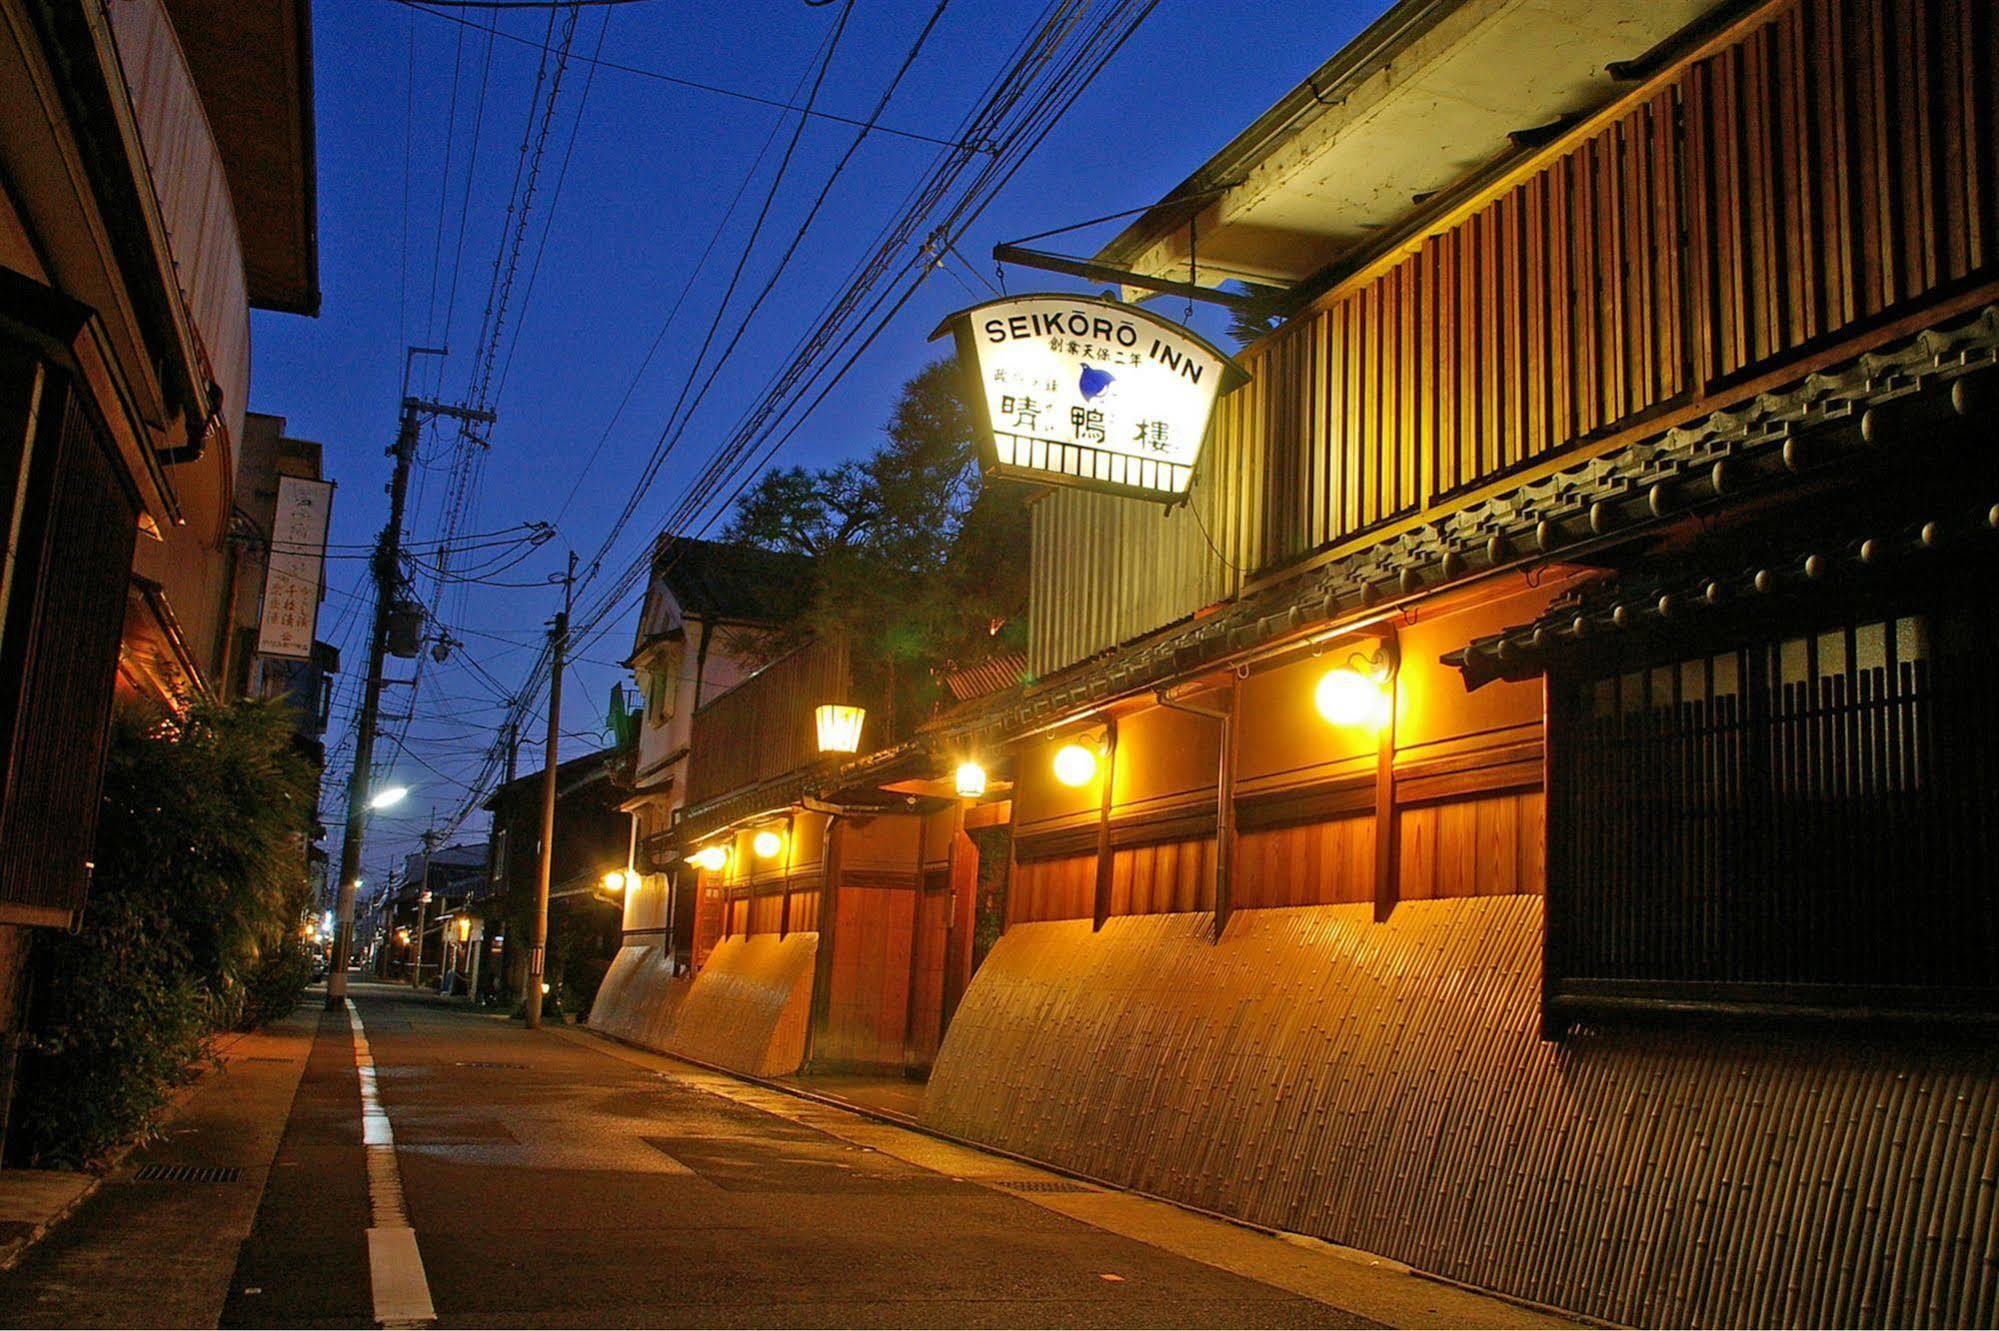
(1103, 907)
(822, 954)
(909, 997)
(1387, 834)
(1554, 825)
(790, 850)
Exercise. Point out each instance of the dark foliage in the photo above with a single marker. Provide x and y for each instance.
(192, 926)
(917, 561)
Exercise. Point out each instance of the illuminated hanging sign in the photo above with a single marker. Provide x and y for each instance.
(1077, 390)
(292, 577)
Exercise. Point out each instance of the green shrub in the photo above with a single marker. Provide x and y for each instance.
(192, 925)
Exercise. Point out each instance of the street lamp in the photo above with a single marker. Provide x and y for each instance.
(614, 880)
(971, 780)
(388, 797)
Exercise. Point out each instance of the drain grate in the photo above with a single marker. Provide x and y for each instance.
(1040, 1185)
(493, 1067)
(187, 1174)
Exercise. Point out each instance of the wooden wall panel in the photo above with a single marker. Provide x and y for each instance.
(868, 998)
(1834, 166)
(1055, 889)
(1313, 864)
(766, 913)
(1649, 1176)
(1486, 846)
(1160, 879)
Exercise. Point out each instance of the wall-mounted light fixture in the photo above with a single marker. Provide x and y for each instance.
(614, 880)
(768, 844)
(464, 928)
(839, 726)
(1075, 765)
(1357, 693)
(712, 858)
(971, 780)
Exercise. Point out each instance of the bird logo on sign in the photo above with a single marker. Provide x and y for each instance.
(1094, 382)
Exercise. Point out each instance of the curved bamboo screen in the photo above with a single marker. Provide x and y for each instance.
(1384, 1086)
(747, 1010)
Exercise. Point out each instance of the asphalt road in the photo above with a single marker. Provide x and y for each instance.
(549, 1182)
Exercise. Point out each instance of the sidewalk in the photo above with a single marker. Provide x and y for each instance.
(154, 1242)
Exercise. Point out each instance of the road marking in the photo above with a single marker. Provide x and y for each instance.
(395, 1267)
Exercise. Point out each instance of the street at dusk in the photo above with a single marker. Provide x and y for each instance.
(928, 663)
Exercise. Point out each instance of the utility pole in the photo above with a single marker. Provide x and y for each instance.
(538, 952)
(388, 580)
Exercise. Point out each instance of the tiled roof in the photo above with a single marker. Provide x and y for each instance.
(741, 583)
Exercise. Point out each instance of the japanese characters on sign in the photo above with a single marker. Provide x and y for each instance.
(1076, 390)
(292, 577)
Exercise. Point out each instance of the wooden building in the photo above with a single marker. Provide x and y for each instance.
(1525, 815)
(156, 183)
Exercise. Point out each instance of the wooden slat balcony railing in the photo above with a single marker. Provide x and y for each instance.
(763, 728)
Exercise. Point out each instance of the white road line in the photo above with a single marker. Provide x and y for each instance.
(395, 1267)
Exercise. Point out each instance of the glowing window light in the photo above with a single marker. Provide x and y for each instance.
(1346, 697)
(971, 779)
(712, 858)
(768, 844)
(1075, 765)
(839, 726)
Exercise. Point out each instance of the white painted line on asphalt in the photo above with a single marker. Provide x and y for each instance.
(395, 1267)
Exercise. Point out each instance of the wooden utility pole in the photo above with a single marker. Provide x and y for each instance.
(388, 581)
(538, 951)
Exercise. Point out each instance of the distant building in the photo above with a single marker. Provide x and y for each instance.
(592, 838)
(156, 182)
(711, 615)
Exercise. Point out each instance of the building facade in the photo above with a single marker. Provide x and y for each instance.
(1525, 815)
(154, 186)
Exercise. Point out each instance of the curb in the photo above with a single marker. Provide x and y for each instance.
(14, 1249)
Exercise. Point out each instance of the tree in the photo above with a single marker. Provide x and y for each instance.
(916, 559)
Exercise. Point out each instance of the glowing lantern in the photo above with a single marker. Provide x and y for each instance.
(1346, 697)
(971, 780)
(712, 858)
(839, 727)
(1075, 765)
(614, 880)
(464, 928)
(768, 844)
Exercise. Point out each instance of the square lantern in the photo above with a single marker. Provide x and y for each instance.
(839, 727)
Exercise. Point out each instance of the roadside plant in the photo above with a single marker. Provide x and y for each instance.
(192, 926)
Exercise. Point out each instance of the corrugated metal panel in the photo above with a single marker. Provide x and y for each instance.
(1384, 1086)
(193, 194)
(1834, 165)
(746, 1011)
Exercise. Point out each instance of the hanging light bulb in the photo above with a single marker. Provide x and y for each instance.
(1347, 697)
(768, 844)
(1075, 765)
(712, 858)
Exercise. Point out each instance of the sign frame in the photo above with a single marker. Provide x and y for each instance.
(295, 567)
(964, 326)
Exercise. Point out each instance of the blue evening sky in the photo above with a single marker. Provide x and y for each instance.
(653, 169)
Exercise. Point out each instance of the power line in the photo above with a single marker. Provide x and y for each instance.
(658, 76)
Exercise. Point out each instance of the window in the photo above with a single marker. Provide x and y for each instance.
(1801, 822)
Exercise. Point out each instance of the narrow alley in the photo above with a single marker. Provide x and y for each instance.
(554, 1178)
